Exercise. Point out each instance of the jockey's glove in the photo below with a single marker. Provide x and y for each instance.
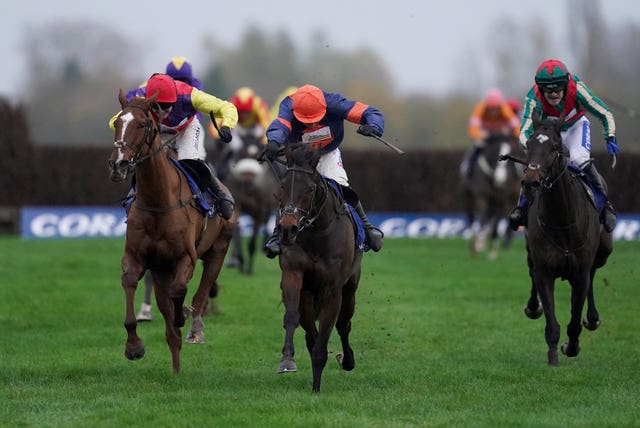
(225, 134)
(269, 152)
(368, 131)
(612, 147)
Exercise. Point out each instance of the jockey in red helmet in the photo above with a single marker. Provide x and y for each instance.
(175, 112)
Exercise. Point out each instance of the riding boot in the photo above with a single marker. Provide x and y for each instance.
(224, 200)
(518, 216)
(608, 214)
(272, 243)
(373, 234)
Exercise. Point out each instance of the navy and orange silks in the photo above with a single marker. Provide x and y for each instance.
(329, 133)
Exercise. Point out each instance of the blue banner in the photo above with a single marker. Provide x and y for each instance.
(106, 222)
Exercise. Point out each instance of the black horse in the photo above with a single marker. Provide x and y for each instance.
(486, 194)
(564, 238)
(319, 261)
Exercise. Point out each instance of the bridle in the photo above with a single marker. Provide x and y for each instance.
(305, 217)
(150, 132)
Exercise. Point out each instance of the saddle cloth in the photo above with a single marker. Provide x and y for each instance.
(358, 227)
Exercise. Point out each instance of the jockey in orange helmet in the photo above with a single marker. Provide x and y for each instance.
(311, 116)
(491, 120)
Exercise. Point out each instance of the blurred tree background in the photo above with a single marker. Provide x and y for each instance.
(75, 70)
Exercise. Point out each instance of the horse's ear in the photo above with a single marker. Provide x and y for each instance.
(288, 150)
(151, 100)
(315, 157)
(122, 98)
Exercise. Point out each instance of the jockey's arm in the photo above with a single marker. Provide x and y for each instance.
(206, 103)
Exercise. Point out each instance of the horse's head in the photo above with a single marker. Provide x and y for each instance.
(135, 131)
(301, 188)
(547, 157)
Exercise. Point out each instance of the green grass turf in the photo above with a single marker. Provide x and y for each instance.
(440, 340)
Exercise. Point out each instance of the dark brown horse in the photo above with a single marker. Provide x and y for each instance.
(166, 233)
(253, 187)
(564, 237)
(319, 261)
(487, 195)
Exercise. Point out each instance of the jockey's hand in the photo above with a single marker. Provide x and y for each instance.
(612, 147)
(269, 152)
(368, 131)
(225, 134)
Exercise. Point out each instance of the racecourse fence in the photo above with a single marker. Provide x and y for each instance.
(421, 181)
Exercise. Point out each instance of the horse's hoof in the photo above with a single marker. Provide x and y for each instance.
(134, 352)
(287, 365)
(533, 314)
(346, 364)
(570, 350)
(552, 358)
(592, 326)
(195, 338)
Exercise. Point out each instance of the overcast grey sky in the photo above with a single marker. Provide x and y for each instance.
(420, 41)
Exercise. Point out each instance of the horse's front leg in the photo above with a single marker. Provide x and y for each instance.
(579, 290)
(330, 303)
(131, 274)
(545, 286)
(172, 307)
(291, 285)
(533, 309)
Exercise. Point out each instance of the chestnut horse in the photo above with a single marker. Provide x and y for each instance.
(166, 233)
(319, 261)
(564, 238)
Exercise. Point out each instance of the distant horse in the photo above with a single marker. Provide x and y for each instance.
(166, 233)
(487, 195)
(254, 188)
(319, 261)
(564, 238)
